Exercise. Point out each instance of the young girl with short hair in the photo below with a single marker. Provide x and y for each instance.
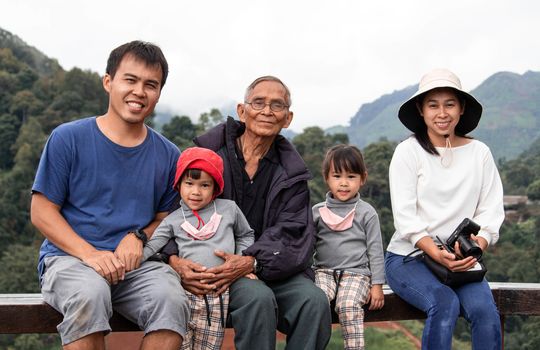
(349, 258)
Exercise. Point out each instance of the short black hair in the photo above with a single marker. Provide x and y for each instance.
(147, 52)
(344, 158)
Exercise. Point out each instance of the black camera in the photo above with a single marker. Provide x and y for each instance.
(462, 234)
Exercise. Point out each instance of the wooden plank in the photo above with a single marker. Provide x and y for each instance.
(517, 298)
(27, 313)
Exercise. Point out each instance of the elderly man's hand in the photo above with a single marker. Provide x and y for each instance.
(194, 277)
(234, 267)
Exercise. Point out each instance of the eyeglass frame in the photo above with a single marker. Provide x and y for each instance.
(285, 106)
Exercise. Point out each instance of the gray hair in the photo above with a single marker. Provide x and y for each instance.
(251, 86)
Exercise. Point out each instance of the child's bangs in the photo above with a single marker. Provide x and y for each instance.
(195, 174)
(342, 161)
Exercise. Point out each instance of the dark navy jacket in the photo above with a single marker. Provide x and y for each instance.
(285, 246)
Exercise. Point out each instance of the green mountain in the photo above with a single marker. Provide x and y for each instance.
(509, 124)
(42, 64)
(511, 118)
(378, 119)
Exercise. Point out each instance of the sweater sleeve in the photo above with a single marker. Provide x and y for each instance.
(403, 177)
(375, 251)
(159, 238)
(489, 212)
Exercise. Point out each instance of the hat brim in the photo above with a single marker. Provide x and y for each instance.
(410, 116)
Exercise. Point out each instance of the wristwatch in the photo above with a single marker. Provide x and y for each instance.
(256, 267)
(140, 234)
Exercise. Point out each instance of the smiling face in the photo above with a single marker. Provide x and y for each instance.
(133, 91)
(265, 122)
(197, 193)
(441, 110)
(344, 185)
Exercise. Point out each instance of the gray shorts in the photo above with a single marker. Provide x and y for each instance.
(150, 296)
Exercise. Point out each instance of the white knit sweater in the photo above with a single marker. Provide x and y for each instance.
(429, 199)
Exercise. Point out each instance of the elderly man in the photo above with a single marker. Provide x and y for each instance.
(267, 178)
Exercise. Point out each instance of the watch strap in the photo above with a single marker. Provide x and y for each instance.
(140, 234)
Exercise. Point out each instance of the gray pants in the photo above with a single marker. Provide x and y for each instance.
(294, 306)
(150, 296)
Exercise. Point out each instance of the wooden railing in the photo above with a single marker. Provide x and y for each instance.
(27, 313)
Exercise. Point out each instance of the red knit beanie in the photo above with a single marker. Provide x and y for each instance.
(203, 159)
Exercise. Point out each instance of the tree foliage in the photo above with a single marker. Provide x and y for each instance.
(181, 131)
(210, 119)
(312, 145)
(32, 104)
(533, 190)
(9, 130)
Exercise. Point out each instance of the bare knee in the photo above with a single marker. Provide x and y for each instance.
(162, 339)
(94, 341)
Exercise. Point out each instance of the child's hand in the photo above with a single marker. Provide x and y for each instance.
(251, 276)
(376, 297)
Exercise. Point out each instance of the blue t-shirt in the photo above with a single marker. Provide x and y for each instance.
(104, 189)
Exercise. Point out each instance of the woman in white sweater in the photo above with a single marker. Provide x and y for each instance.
(438, 177)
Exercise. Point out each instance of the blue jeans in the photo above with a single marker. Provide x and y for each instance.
(415, 284)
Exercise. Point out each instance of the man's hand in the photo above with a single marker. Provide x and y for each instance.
(106, 264)
(193, 276)
(234, 267)
(130, 251)
(376, 297)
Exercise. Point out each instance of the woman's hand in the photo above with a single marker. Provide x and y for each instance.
(481, 241)
(444, 257)
(449, 260)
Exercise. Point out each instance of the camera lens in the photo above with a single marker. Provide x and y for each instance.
(469, 248)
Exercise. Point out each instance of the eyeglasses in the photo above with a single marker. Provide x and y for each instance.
(275, 106)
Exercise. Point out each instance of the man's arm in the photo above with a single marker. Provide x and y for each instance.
(130, 249)
(46, 217)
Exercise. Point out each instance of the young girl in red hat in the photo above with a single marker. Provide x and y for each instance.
(202, 225)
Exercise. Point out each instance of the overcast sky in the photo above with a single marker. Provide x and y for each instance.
(334, 55)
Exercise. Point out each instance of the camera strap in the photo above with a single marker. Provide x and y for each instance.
(410, 257)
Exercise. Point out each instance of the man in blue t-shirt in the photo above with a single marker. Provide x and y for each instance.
(102, 186)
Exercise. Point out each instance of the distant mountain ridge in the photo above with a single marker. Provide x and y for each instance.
(28, 54)
(510, 121)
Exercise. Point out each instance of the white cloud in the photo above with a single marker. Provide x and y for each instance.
(333, 55)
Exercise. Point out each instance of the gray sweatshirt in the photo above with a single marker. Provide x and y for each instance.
(358, 249)
(233, 234)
